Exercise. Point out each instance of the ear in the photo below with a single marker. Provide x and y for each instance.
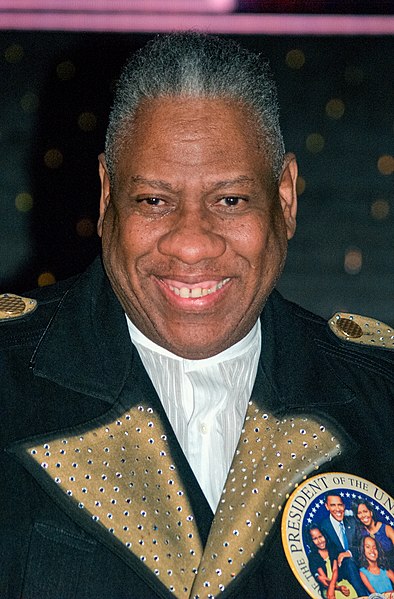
(288, 193)
(105, 197)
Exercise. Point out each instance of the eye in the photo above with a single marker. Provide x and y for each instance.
(231, 201)
(153, 201)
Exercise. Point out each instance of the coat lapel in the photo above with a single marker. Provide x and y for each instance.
(86, 347)
(273, 456)
(119, 481)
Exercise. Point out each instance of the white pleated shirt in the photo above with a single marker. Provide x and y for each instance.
(205, 402)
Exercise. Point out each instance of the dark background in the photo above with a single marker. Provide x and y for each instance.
(336, 95)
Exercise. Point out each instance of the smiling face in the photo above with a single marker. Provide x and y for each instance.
(364, 515)
(194, 230)
(336, 507)
(318, 538)
(370, 550)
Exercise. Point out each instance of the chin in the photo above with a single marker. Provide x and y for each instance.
(194, 353)
(197, 351)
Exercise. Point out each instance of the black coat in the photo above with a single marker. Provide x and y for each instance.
(69, 368)
(351, 534)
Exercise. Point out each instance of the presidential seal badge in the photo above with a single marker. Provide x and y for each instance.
(338, 537)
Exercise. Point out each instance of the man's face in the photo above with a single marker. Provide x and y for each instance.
(194, 231)
(336, 507)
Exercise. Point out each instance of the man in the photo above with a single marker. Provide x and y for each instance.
(341, 532)
(158, 409)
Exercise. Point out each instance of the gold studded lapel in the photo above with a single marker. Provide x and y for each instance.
(119, 478)
(273, 455)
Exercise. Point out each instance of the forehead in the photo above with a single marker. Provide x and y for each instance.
(315, 532)
(166, 113)
(334, 499)
(190, 132)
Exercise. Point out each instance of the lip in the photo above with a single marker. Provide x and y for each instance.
(371, 554)
(197, 292)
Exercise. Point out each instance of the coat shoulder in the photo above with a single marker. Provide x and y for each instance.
(23, 318)
(351, 337)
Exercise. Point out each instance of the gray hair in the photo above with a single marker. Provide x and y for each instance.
(198, 66)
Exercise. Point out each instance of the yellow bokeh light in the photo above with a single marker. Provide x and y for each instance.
(315, 143)
(53, 158)
(87, 121)
(335, 108)
(353, 261)
(23, 202)
(380, 209)
(14, 53)
(46, 278)
(85, 227)
(301, 184)
(386, 164)
(295, 59)
(65, 70)
(29, 102)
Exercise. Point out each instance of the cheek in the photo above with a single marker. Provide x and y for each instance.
(267, 247)
(117, 248)
(263, 255)
(248, 239)
(128, 239)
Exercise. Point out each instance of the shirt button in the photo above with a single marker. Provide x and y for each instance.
(203, 428)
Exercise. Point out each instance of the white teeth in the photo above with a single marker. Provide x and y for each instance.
(197, 292)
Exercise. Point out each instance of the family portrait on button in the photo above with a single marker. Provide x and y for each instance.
(347, 542)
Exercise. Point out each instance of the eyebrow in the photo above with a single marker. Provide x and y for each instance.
(160, 184)
(231, 182)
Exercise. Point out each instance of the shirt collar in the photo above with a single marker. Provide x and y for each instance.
(336, 524)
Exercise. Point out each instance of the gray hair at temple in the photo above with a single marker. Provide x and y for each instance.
(198, 66)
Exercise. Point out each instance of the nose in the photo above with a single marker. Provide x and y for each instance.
(192, 237)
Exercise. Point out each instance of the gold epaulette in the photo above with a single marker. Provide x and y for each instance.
(362, 329)
(15, 306)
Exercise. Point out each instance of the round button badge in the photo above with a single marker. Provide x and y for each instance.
(338, 537)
